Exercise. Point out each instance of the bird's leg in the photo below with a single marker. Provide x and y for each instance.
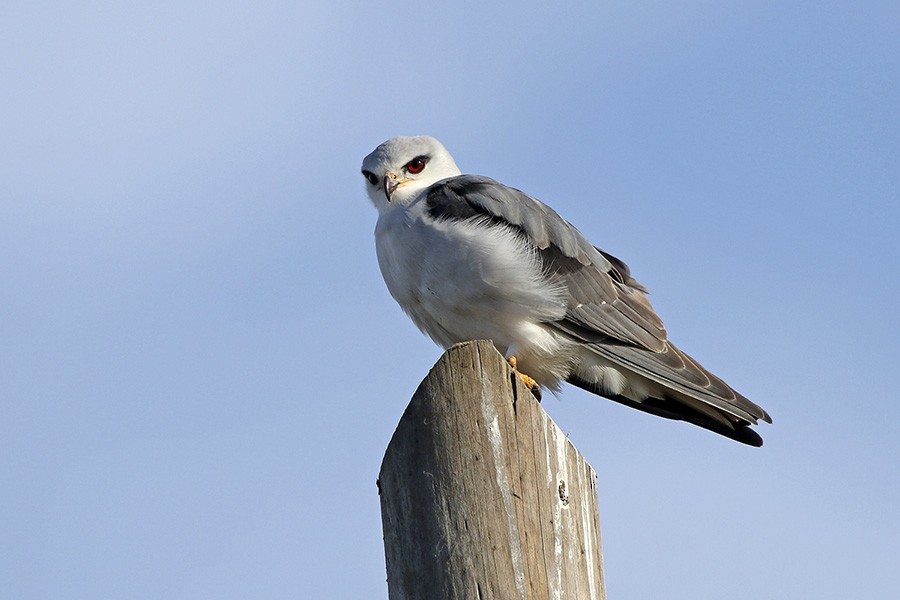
(528, 381)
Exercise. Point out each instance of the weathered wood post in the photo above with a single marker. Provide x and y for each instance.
(482, 496)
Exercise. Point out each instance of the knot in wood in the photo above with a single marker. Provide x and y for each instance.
(563, 493)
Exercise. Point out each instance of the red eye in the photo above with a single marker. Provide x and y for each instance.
(416, 165)
(371, 177)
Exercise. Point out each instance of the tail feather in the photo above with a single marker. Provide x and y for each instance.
(678, 410)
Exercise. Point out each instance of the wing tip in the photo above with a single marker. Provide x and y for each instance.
(739, 431)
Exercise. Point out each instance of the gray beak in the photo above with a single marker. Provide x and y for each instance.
(390, 184)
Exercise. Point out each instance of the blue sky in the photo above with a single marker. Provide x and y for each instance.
(200, 367)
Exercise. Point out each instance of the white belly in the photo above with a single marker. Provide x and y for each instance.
(461, 281)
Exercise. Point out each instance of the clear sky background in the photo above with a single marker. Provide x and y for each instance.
(200, 367)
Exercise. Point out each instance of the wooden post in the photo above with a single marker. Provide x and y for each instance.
(482, 496)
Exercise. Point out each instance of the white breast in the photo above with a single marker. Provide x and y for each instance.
(464, 280)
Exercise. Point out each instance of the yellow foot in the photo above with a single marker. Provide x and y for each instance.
(528, 381)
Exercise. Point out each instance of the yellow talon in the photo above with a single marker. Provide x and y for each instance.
(528, 381)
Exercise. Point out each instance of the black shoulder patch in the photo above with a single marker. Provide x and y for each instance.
(442, 203)
(448, 200)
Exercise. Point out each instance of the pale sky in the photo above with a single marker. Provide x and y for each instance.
(201, 368)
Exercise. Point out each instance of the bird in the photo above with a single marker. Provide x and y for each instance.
(469, 258)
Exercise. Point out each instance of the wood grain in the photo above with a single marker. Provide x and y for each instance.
(482, 496)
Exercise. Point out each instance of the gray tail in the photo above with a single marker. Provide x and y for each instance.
(672, 409)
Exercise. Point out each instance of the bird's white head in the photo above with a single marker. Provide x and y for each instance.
(398, 170)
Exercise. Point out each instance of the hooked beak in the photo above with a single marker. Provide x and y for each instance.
(391, 183)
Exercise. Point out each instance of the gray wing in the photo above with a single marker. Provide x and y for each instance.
(608, 309)
(605, 303)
